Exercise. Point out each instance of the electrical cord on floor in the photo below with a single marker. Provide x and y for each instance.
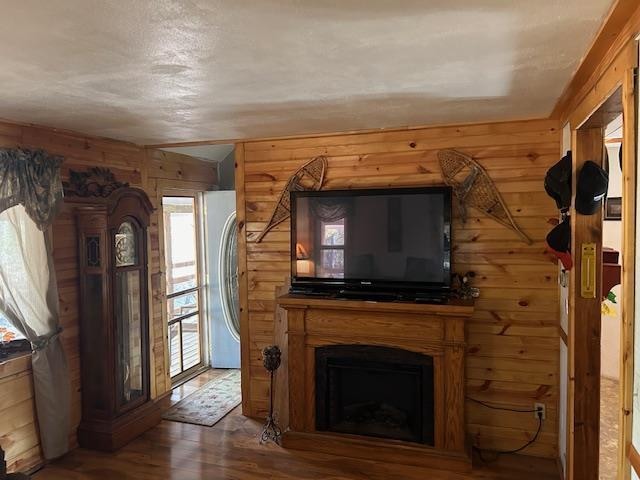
(497, 453)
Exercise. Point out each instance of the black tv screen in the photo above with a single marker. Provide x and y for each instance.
(372, 238)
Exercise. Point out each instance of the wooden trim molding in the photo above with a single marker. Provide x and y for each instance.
(604, 86)
(634, 458)
(243, 281)
(619, 28)
(584, 327)
(629, 163)
(313, 135)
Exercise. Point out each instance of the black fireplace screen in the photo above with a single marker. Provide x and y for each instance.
(375, 391)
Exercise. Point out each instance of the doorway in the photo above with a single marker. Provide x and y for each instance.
(593, 453)
(200, 250)
(593, 338)
(200, 247)
(612, 302)
(183, 285)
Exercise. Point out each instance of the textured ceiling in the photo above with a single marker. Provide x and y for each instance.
(160, 71)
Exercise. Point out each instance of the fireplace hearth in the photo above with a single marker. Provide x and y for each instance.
(375, 391)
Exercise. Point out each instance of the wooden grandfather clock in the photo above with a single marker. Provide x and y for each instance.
(114, 318)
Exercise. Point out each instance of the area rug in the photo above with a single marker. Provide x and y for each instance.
(210, 403)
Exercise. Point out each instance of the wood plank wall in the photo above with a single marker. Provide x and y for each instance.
(513, 337)
(18, 431)
(154, 171)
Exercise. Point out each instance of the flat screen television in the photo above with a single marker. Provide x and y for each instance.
(385, 240)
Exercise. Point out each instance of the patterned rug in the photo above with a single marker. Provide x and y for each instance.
(210, 403)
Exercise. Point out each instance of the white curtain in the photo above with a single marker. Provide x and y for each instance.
(29, 299)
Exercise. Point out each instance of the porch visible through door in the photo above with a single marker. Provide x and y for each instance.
(183, 285)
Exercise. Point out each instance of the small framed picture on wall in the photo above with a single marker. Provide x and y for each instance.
(613, 208)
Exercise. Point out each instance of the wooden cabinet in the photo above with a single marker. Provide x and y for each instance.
(114, 320)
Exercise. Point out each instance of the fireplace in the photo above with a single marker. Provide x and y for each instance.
(375, 391)
(344, 392)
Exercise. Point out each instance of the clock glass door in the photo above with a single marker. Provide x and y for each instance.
(129, 316)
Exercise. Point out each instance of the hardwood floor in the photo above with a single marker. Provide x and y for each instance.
(230, 450)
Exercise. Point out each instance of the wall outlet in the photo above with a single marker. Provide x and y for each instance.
(540, 407)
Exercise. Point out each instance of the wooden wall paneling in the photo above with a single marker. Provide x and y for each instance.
(491, 127)
(175, 166)
(585, 324)
(18, 424)
(157, 281)
(512, 352)
(141, 168)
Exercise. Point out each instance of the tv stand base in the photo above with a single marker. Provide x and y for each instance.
(436, 298)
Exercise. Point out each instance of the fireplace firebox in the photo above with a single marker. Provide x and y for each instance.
(375, 391)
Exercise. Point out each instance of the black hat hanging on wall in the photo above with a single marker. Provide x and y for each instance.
(591, 188)
(557, 182)
(559, 242)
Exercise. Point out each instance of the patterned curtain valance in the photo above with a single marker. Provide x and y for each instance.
(31, 178)
(331, 210)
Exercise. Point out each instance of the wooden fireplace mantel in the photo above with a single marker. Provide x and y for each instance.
(305, 323)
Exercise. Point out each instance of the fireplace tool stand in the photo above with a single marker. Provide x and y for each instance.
(271, 361)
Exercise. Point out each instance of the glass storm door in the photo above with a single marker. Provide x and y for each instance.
(183, 284)
(228, 276)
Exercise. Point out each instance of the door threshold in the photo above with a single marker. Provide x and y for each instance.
(189, 376)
